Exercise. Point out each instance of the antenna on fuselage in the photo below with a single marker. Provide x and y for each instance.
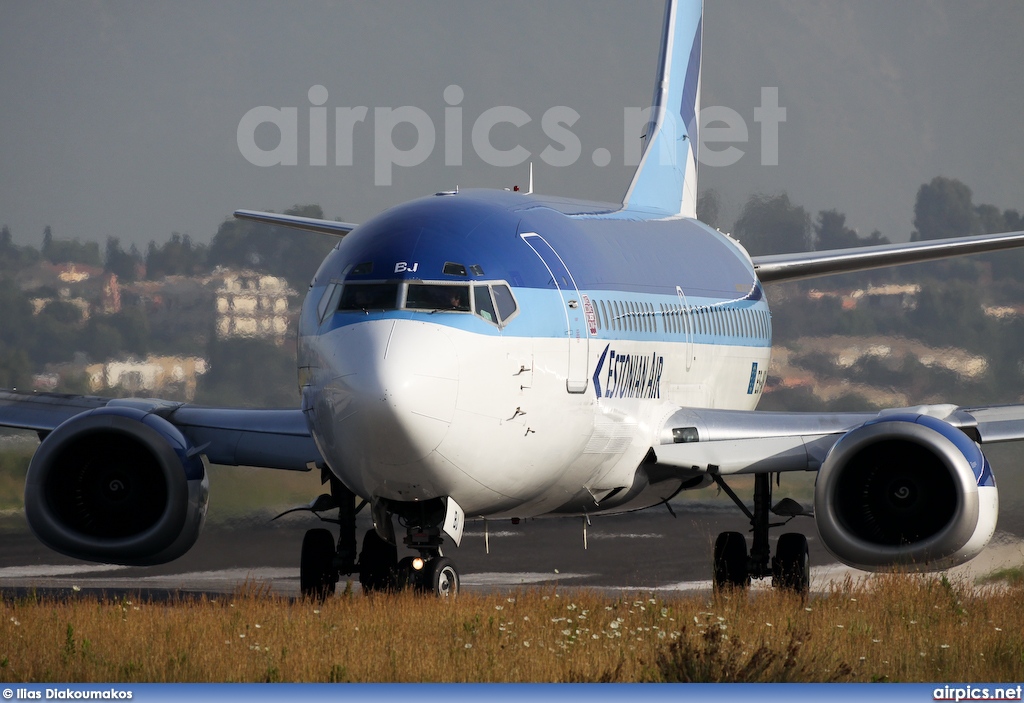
(529, 190)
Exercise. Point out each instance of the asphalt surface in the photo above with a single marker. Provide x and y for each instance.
(649, 550)
(644, 551)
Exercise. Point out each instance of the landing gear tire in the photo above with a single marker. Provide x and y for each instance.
(378, 564)
(440, 577)
(730, 566)
(317, 572)
(791, 566)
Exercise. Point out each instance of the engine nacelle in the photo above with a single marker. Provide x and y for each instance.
(117, 485)
(907, 490)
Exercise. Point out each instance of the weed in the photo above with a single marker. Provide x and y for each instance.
(888, 628)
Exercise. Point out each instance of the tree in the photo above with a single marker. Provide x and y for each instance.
(15, 369)
(989, 219)
(944, 209)
(179, 256)
(280, 251)
(771, 224)
(1014, 220)
(831, 232)
(120, 262)
(229, 380)
(1006, 266)
(66, 251)
(13, 257)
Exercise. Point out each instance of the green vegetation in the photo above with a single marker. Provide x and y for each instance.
(889, 628)
(13, 465)
(1013, 576)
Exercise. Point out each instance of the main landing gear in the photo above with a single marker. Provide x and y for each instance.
(324, 560)
(733, 567)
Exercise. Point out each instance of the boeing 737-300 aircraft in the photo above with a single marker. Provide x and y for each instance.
(495, 354)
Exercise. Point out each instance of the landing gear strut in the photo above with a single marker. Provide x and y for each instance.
(324, 560)
(733, 567)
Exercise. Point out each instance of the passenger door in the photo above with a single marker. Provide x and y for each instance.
(576, 332)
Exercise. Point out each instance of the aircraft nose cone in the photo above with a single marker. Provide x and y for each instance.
(399, 383)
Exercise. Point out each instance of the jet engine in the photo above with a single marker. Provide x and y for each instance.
(117, 485)
(906, 490)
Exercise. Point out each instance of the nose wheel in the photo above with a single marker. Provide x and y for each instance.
(437, 576)
(442, 578)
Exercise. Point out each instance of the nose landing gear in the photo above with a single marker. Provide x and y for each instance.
(431, 572)
(323, 560)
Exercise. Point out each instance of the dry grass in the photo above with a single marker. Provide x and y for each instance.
(893, 628)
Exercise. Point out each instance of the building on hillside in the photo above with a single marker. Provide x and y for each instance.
(252, 305)
(885, 296)
(163, 375)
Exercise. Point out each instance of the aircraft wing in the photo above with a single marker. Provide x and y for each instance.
(309, 224)
(276, 439)
(753, 441)
(791, 267)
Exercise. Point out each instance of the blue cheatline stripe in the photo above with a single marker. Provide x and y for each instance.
(497, 693)
(639, 317)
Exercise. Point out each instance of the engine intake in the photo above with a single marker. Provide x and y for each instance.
(908, 490)
(117, 485)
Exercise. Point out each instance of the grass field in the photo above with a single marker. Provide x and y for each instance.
(890, 628)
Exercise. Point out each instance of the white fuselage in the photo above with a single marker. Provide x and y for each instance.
(552, 408)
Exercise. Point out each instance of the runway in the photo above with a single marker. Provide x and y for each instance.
(650, 551)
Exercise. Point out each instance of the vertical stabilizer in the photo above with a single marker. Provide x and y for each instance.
(665, 182)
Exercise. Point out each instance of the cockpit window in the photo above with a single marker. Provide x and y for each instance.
(484, 306)
(328, 301)
(369, 296)
(427, 296)
(504, 300)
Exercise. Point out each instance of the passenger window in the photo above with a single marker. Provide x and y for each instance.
(483, 304)
(428, 296)
(505, 302)
(368, 296)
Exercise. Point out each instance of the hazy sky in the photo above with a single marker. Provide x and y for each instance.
(120, 118)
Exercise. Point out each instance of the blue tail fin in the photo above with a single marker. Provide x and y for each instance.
(665, 183)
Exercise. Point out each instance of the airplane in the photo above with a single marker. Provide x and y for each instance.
(492, 354)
